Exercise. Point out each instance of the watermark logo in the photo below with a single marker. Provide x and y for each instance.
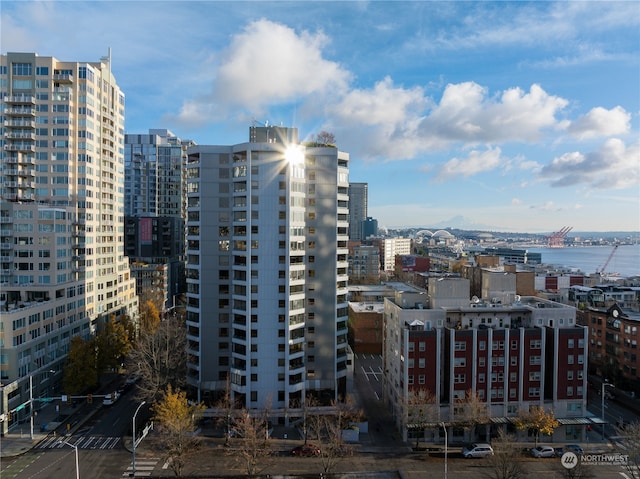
(569, 460)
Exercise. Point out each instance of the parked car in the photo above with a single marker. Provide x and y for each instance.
(575, 448)
(543, 451)
(477, 450)
(305, 450)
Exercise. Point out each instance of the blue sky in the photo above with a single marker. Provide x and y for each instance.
(518, 116)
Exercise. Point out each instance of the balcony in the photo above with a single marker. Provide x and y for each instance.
(20, 111)
(20, 146)
(19, 123)
(16, 135)
(25, 99)
(63, 77)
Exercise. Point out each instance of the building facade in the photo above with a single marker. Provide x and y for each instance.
(510, 357)
(155, 207)
(358, 208)
(62, 252)
(364, 263)
(267, 232)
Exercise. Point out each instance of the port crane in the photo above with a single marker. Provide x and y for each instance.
(556, 240)
(606, 263)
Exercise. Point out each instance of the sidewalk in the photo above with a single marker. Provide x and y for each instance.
(18, 440)
(61, 420)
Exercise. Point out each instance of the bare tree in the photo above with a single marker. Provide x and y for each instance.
(325, 138)
(506, 462)
(423, 410)
(251, 447)
(471, 411)
(580, 471)
(160, 358)
(329, 425)
(628, 443)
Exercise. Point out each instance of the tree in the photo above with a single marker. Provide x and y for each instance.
(149, 317)
(80, 371)
(326, 425)
(470, 411)
(160, 358)
(422, 411)
(326, 138)
(537, 420)
(252, 446)
(628, 443)
(176, 419)
(112, 344)
(506, 462)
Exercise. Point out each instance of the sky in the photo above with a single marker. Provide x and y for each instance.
(503, 116)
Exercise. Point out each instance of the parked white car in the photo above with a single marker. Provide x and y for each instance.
(543, 451)
(477, 450)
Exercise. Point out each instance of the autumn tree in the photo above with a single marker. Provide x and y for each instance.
(149, 317)
(506, 461)
(537, 420)
(471, 411)
(160, 358)
(423, 410)
(80, 370)
(112, 344)
(176, 419)
(251, 448)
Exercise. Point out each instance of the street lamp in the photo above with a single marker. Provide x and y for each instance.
(446, 446)
(133, 474)
(62, 441)
(604, 384)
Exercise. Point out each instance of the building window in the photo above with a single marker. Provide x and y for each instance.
(512, 393)
(459, 378)
(482, 362)
(421, 379)
(570, 343)
(569, 390)
(481, 377)
(535, 344)
(254, 396)
(570, 375)
(483, 345)
(514, 344)
(570, 359)
(422, 346)
(459, 362)
(460, 346)
(421, 363)
(514, 360)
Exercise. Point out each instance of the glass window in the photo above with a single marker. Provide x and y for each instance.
(22, 69)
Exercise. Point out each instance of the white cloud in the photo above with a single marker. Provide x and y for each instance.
(269, 64)
(516, 201)
(601, 122)
(467, 114)
(476, 162)
(613, 166)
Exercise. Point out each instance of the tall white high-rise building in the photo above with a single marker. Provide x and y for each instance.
(63, 269)
(267, 232)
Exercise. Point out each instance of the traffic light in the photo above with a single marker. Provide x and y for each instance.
(89, 398)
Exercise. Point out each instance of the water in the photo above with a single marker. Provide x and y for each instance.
(589, 259)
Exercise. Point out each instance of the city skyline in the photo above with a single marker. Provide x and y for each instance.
(512, 116)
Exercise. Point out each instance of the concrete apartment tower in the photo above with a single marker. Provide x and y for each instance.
(155, 212)
(267, 226)
(63, 269)
(358, 209)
